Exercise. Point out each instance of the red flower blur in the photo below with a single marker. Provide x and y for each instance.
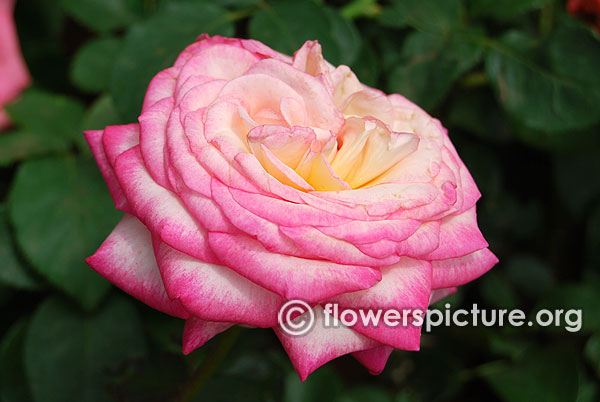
(587, 10)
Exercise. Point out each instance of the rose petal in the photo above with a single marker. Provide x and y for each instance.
(291, 277)
(458, 271)
(94, 140)
(197, 332)
(159, 209)
(321, 344)
(374, 359)
(214, 292)
(126, 259)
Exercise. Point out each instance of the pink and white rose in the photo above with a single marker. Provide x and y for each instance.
(254, 178)
(14, 77)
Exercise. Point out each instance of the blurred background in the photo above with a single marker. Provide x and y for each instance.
(516, 82)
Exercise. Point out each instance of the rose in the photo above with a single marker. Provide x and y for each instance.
(589, 10)
(254, 178)
(14, 76)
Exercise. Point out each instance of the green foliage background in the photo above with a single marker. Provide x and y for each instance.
(516, 82)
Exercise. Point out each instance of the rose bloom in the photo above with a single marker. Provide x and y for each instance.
(589, 10)
(254, 178)
(14, 76)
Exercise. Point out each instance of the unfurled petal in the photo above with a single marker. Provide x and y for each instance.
(321, 345)
(126, 259)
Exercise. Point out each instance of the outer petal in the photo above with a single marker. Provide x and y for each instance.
(403, 287)
(458, 271)
(197, 332)
(321, 345)
(439, 294)
(126, 259)
(214, 292)
(159, 209)
(94, 140)
(459, 235)
(118, 139)
(374, 359)
(162, 86)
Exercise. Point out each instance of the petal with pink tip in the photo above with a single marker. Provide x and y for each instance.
(160, 210)
(118, 139)
(459, 235)
(266, 232)
(214, 292)
(197, 332)
(309, 58)
(291, 277)
(321, 344)
(126, 259)
(312, 241)
(153, 130)
(404, 287)
(162, 86)
(364, 232)
(458, 271)
(220, 61)
(320, 109)
(439, 294)
(94, 140)
(374, 359)
(285, 213)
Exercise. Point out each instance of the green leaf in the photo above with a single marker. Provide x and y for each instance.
(47, 114)
(153, 45)
(16, 146)
(593, 237)
(104, 15)
(582, 297)
(102, 113)
(366, 66)
(91, 66)
(424, 15)
(430, 64)
(346, 37)
(592, 352)
(13, 382)
(360, 8)
(12, 272)
(560, 95)
(322, 385)
(504, 9)
(543, 375)
(67, 352)
(283, 26)
(45, 123)
(61, 213)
